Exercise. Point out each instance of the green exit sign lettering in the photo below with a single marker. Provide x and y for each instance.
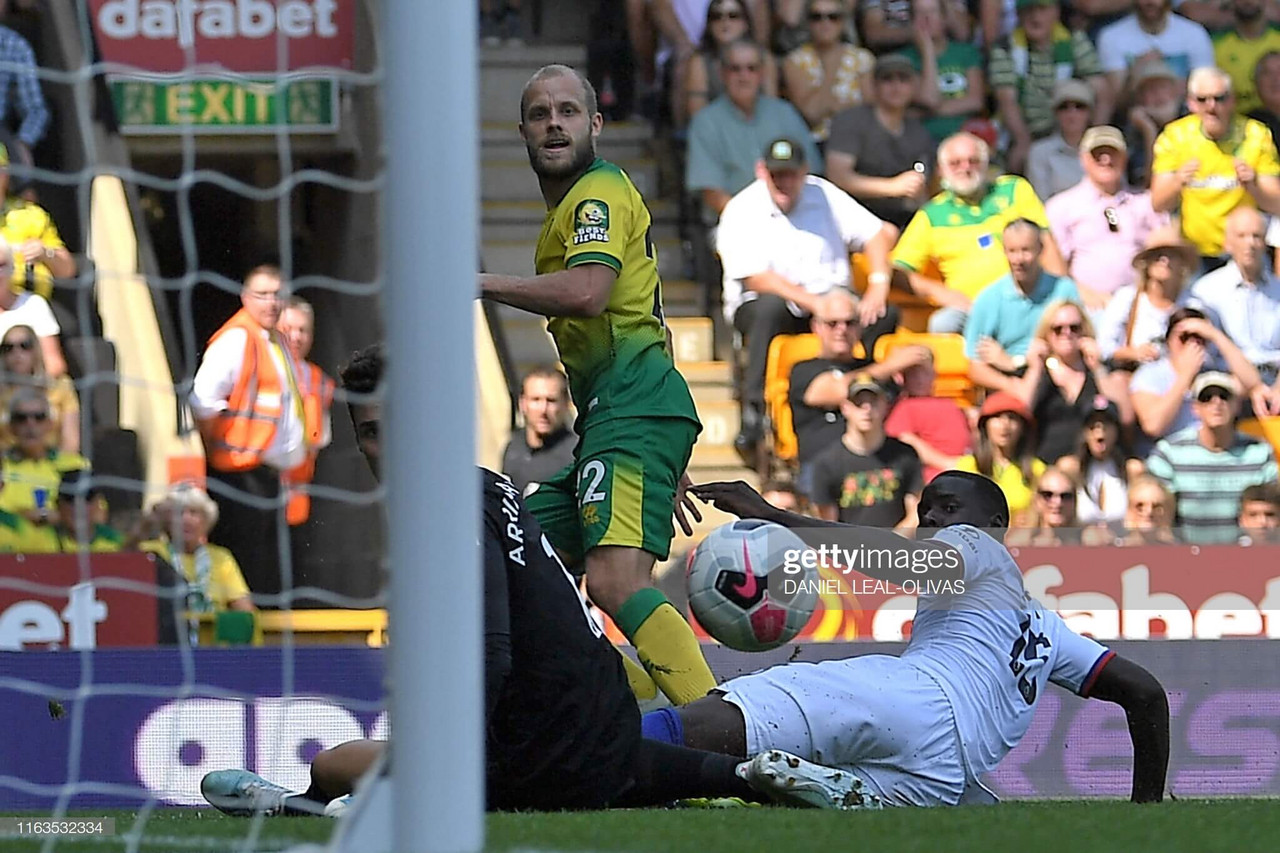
(215, 106)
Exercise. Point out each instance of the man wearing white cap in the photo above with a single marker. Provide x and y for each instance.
(1208, 465)
(1100, 223)
(1054, 164)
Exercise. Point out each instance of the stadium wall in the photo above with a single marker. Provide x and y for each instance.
(216, 708)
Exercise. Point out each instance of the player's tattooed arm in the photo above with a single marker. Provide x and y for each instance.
(1147, 709)
(581, 291)
(942, 561)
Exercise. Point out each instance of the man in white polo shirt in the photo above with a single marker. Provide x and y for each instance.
(784, 241)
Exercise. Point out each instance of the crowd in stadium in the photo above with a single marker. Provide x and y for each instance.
(1070, 205)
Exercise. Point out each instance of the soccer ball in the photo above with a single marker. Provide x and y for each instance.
(739, 591)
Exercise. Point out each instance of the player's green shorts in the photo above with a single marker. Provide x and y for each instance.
(620, 490)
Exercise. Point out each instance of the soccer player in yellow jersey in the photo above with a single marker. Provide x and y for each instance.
(597, 281)
(1212, 161)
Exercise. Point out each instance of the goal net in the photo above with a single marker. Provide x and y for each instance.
(187, 144)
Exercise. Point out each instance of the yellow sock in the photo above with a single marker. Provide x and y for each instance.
(666, 646)
(641, 684)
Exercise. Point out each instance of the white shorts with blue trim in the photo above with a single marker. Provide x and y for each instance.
(874, 715)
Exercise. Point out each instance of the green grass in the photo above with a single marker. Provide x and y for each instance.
(1071, 827)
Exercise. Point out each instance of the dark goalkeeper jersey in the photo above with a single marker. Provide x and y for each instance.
(564, 726)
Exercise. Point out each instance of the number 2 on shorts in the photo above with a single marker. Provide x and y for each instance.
(594, 470)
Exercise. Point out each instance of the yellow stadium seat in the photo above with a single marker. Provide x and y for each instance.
(1265, 428)
(785, 352)
(949, 361)
(914, 312)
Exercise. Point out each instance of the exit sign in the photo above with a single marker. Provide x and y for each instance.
(218, 106)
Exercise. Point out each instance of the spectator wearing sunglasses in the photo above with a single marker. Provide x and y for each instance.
(702, 80)
(819, 387)
(33, 472)
(1148, 516)
(1212, 161)
(1207, 466)
(1062, 379)
(1052, 519)
(1162, 390)
(22, 366)
(1101, 223)
(30, 309)
(1243, 297)
(725, 137)
(827, 74)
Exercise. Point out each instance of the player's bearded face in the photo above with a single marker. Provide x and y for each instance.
(559, 132)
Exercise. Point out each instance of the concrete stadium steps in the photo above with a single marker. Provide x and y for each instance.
(513, 180)
(628, 140)
(505, 70)
(691, 337)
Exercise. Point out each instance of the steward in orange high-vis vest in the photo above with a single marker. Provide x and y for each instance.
(237, 438)
(317, 396)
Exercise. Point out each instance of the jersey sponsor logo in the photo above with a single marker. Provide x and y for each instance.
(1215, 182)
(591, 222)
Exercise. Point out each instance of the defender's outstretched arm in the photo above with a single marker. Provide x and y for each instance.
(1147, 708)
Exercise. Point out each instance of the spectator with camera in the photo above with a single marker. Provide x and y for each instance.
(958, 232)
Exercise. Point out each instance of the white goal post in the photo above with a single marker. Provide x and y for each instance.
(436, 788)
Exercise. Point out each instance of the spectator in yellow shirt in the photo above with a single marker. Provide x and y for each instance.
(33, 472)
(213, 577)
(1212, 161)
(78, 525)
(37, 247)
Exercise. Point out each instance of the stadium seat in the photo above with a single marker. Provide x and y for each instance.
(1265, 428)
(914, 312)
(95, 358)
(949, 361)
(785, 352)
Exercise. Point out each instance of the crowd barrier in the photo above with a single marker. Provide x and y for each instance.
(50, 602)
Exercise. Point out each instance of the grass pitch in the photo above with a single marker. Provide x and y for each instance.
(1196, 826)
